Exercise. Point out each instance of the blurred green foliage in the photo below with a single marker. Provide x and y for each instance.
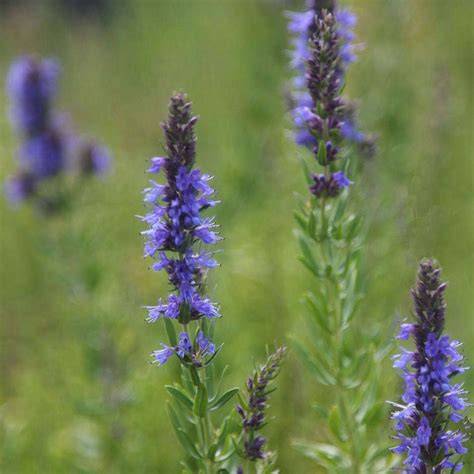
(77, 393)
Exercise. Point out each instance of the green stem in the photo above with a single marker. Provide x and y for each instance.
(334, 293)
(206, 429)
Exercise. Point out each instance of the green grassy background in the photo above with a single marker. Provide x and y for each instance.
(71, 288)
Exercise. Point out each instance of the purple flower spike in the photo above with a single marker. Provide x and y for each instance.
(253, 411)
(323, 119)
(433, 400)
(177, 231)
(306, 30)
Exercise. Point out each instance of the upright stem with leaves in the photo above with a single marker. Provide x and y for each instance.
(340, 355)
(177, 232)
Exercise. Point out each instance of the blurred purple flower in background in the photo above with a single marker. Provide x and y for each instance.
(93, 158)
(32, 86)
(322, 50)
(47, 145)
(44, 155)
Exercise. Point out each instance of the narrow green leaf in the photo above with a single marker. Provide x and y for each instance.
(180, 396)
(211, 453)
(340, 208)
(353, 228)
(223, 433)
(219, 444)
(335, 424)
(320, 410)
(312, 268)
(377, 452)
(320, 317)
(173, 417)
(210, 381)
(208, 361)
(306, 171)
(242, 401)
(300, 220)
(184, 439)
(219, 383)
(308, 258)
(326, 454)
(350, 310)
(321, 375)
(188, 444)
(186, 379)
(312, 224)
(375, 413)
(224, 398)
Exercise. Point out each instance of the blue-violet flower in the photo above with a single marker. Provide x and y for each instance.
(432, 401)
(322, 51)
(177, 231)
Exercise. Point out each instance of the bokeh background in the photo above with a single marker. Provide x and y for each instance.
(77, 392)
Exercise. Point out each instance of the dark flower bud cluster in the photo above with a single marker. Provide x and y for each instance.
(322, 51)
(252, 408)
(432, 401)
(47, 146)
(177, 230)
(329, 186)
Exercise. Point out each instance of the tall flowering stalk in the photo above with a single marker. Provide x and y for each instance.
(252, 408)
(340, 356)
(48, 148)
(176, 238)
(428, 423)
